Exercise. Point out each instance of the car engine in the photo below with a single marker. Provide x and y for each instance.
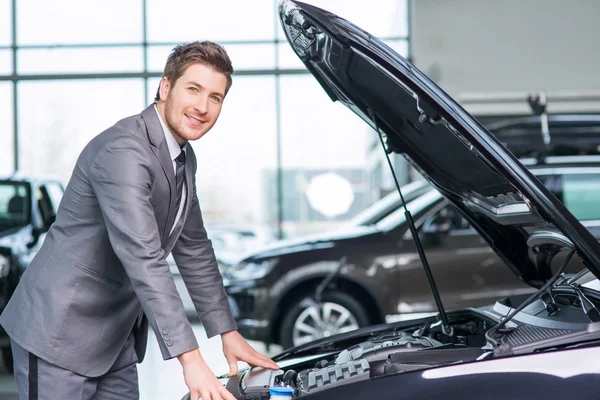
(382, 354)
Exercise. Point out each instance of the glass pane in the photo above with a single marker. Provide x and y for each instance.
(74, 21)
(243, 57)
(325, 156)
(14, 211)
(67, 115)
(580, 195)
(187, 20)
(251, 56)
(152, 89)
(157, 57)
(236, 159)
(45, 61)
(5, 62)
(399, 46)
(7, 135)
(5, 22)
(378, 17)
(55, 192)
(287, 58)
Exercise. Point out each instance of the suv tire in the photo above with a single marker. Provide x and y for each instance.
(343, 311)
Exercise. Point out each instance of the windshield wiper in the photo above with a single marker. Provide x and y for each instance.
(445, 326)
(586, 304)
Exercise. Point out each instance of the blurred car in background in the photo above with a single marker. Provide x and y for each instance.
(230, 242)
(27, 210)
(272, 291)
(10, 273)
(236, 239)
(28, 207)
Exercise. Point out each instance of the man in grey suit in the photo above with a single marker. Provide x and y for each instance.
(78, 319)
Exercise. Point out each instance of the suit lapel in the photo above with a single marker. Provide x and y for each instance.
(161, 150)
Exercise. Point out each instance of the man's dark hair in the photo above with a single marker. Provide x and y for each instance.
(208, 53)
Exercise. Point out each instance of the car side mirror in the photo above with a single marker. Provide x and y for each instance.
(437, 225)
(35, 237)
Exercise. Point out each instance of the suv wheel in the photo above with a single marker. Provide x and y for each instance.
(305, 321)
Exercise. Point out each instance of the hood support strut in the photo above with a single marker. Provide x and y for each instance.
(446, 329)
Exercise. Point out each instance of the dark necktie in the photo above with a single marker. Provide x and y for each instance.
(179, 177)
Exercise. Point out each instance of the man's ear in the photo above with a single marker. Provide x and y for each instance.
(165, 87)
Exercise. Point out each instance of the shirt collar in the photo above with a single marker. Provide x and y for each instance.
(174, 148)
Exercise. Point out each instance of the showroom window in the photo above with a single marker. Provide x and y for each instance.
(236, 158)
(5, 62)
(5, 23)
(211, 20)
(6, 131)
(76, 60)
(41, 22)
(264, 161)
(68, 114)
(324, 158)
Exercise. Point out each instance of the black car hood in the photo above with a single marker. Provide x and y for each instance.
(310, 242)
(469, 166)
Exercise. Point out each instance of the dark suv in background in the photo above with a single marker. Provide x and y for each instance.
(296, 291)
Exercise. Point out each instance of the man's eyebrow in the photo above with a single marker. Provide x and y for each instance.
(199, 86)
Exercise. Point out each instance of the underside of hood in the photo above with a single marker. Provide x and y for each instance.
(469, 166)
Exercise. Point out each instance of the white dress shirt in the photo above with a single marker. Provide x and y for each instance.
(174, 150)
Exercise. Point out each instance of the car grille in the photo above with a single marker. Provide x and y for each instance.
(245, 304)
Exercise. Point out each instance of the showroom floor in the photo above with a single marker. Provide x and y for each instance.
(160, 380)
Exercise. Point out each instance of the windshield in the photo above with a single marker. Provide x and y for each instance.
(14, 207)
(388, 204)
(416, 206)
(587, 279)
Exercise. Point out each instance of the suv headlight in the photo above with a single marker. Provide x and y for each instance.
(248, 271)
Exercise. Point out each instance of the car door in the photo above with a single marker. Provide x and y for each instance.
(45, 204)
(467, 271)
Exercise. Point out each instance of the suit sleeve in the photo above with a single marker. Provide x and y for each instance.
(195, 258)
(122, 181)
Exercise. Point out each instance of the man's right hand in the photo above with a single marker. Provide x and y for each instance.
(200, 380)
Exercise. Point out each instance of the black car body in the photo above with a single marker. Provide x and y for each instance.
(548, 349)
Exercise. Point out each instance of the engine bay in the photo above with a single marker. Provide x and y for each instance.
(382, 353)
(402, 348)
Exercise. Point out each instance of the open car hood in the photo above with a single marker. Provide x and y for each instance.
(468, 165)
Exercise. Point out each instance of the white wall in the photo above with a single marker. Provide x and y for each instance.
(490, 46)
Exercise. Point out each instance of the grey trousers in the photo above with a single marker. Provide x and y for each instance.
(37, 379)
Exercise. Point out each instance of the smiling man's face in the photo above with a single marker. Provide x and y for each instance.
(191, 106)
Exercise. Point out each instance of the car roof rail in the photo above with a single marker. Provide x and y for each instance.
(543, 134)
(489, 105)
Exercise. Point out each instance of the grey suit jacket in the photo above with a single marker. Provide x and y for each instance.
(103, 261)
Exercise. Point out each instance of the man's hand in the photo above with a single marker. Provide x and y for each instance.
(235, 348)
(200, 380)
